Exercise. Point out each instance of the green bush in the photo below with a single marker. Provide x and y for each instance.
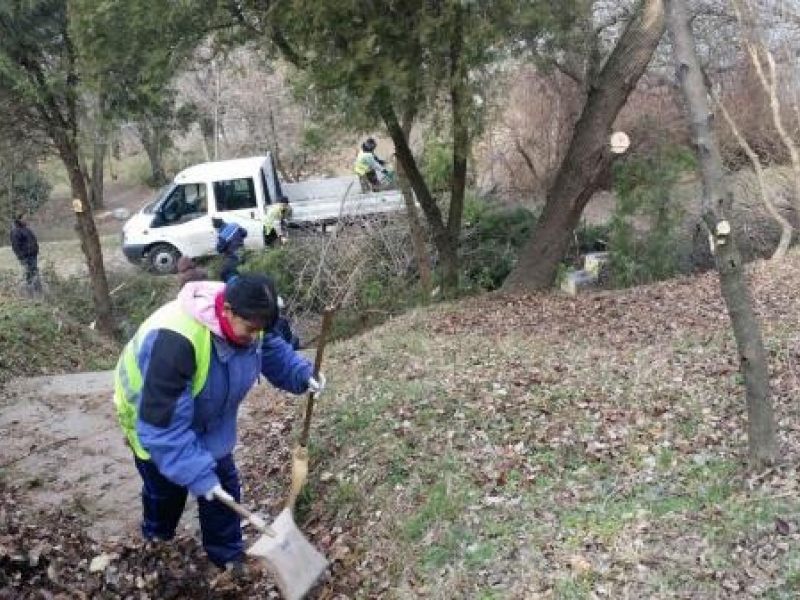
(280, 263)
(370, 266)
(29, 192)
(592, 238)
(437, 165)
(642, 229)
(491, 240)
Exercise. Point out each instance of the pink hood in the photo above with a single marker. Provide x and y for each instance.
(197, 299)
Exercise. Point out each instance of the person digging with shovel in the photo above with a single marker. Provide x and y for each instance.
(178, 386)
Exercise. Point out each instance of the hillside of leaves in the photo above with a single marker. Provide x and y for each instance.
(507, 447)
(38, 338)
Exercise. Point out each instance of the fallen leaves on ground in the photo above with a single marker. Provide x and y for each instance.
(507, 447)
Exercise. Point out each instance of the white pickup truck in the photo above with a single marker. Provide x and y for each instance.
(179, 222)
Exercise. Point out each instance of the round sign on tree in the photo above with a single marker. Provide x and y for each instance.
(619, 142)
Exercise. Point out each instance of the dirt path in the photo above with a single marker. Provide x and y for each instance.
(61, 438)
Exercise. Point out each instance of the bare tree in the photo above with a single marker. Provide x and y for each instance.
(717, 203)
(415, 226)
(759, 55)
(537, 110)
(587, 158)
(786, 227)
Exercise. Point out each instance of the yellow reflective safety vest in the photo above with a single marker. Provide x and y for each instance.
(363, 163)
(128, 380)
(275, 213)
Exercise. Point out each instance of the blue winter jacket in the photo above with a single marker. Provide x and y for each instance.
(230, 238)
(183, 435)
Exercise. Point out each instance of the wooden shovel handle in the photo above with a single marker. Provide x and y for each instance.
(327, 319)
(240, 510)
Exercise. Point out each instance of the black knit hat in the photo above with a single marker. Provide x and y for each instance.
(253, 297)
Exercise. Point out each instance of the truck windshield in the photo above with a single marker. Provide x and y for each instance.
(154, 205)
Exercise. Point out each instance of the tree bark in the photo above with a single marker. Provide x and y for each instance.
(414, 225)
(588, 156)
(459, 103)
(717, 202)
(151, 140)
(87, 232)
(61, 126)
(446, 247)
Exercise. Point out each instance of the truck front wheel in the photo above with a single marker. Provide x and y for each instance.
(163, 259)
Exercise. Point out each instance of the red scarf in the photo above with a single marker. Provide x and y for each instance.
(224, 323)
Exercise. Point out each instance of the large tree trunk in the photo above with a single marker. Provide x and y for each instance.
(446, 246)
(90, 243)
(414, 224)
(588, 157)
(461, 141)
(717, 202)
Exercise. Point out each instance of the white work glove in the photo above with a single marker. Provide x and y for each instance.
(316, 384)
(218, 492)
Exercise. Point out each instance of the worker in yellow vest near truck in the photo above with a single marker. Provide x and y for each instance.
(178, 386)
(367, 166)
(275, 221)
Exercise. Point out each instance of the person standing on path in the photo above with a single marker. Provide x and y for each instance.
(26, 248)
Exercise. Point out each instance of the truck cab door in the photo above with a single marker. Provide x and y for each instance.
(236, 201)
(183, 221)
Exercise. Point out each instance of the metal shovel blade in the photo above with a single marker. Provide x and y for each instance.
(291, 559)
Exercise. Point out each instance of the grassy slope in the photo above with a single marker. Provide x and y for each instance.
(516, 448)
(550, 447)
(38, 339)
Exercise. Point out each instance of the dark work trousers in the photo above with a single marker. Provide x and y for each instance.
(374, 182)
(271, 238)
(230, 266)
(29, 264)
(163, 503)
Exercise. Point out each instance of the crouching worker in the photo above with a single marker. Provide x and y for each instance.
(230, 239)
(275, 221)
(178, 386)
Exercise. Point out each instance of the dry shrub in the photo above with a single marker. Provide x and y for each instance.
(334, 269)
(363, 266)
(745, 99)
(652, 116)
(537, 111)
